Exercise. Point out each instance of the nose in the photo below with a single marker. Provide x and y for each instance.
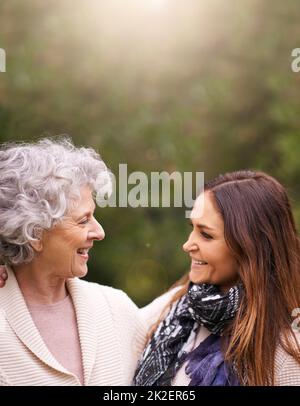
(97, 232)
(189, 245)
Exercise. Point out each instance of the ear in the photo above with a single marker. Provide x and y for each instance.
(37, 245)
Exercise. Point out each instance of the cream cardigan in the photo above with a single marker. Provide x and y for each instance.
(111, 337)
(111, 332)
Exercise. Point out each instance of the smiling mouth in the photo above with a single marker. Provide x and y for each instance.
(83, 253)
(198, 262)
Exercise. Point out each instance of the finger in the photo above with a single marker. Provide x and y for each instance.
(2, 282)
(4, 276)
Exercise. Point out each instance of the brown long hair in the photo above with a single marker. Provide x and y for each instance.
(260, 231)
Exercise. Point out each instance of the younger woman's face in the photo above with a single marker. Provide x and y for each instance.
(211, 260)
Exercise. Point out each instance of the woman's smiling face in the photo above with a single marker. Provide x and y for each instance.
(65, 247)
(211, 260)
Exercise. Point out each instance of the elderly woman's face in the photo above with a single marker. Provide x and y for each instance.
(65, 248)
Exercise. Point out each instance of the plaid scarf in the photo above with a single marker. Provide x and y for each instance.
(202, 305)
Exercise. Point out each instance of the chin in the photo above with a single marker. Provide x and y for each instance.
(81, 272)
(197, 279)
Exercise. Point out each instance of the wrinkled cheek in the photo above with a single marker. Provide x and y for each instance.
(68, 261)
(73, 261)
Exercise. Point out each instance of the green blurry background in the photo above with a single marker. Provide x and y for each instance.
(162, 85)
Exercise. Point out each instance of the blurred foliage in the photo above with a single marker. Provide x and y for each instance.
(195, 85)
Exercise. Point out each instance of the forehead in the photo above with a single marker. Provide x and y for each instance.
(205, 212)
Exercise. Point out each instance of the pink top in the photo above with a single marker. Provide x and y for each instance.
(58, 327)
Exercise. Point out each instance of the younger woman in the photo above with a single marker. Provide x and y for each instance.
(230, 321)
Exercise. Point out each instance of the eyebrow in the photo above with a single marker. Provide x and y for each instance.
(202, 226)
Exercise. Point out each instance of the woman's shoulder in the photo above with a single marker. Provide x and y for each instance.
(287, 368)
(151, 312)
(114, 297)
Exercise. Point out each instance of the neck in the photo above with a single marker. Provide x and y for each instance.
(39, 286)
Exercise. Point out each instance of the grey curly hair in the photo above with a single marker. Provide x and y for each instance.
(39, 183)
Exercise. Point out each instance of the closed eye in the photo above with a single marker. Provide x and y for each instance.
(206, 236)
(84, 221)
(203, 233)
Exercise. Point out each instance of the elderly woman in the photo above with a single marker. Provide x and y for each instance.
(54, 328)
